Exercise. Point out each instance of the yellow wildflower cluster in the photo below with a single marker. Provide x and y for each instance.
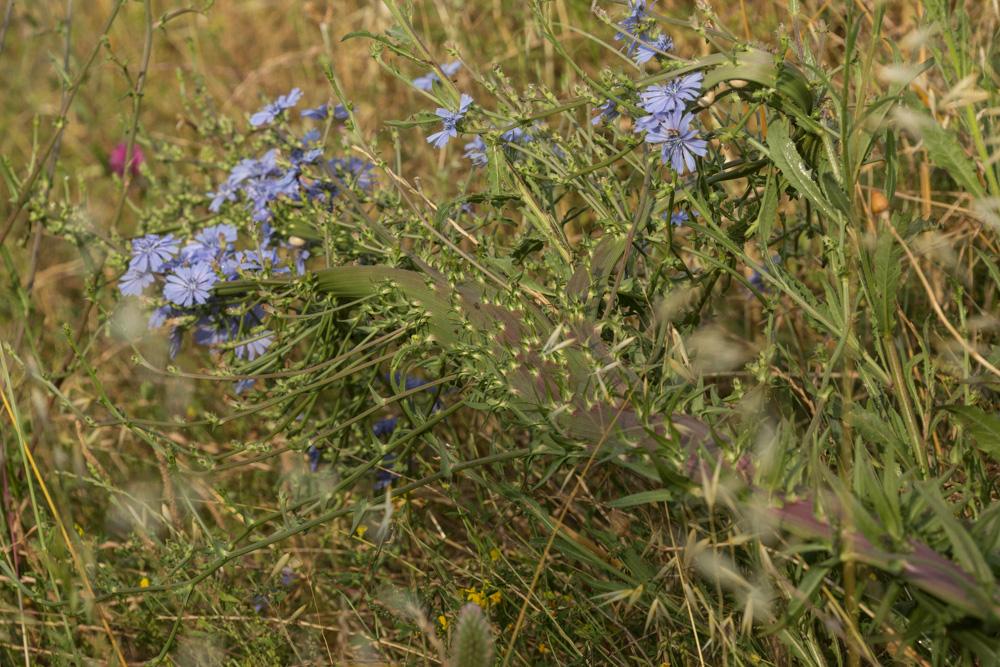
(480, 596)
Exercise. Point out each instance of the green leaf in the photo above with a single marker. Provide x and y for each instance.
(805, 591)
(886, 283)
(759, 67)
(945, 151)
(786, 157)
(768, 212)
(985, 428)
(963, 546)
(643, 498)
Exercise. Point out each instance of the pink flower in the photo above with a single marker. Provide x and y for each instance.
(117, 159)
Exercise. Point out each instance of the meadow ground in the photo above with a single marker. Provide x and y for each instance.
(762, 432)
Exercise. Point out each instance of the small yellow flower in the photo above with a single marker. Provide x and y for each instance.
(494, 554)
(79, 529)
(542, 648)
(361, 530)
(495, 598)
(144, 582)
(443, 622)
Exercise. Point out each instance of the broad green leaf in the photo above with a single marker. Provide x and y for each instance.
(786, 157)
(985, 428)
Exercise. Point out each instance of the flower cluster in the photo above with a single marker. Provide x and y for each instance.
(116, 160)
(188, 274)
(186, 271)
(669, 124)
(382, 429)
(643, 40)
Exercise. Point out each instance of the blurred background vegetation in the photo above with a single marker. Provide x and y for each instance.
(320, 597)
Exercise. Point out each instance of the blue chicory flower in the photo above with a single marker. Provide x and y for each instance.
(216, 236)
(244, 385)
(674, 94)
(475, 150)
(449, 119)
(632, 26)
(646, 50)
(517, 135)
(650, 123)
(680, 144)
(174, 338)
(323, 110)
(152, 251)
(317, 113)
(384, 427)
(134, 282)
(260, 603)
(352, 171)
(607, 112)
(189, 285)
(254, 347)
(160, 316)
(409, 382)
(315, 454)
(300, 261)
(210, 333)
(269, 112)
(385, 476)
(427, 81)
(638, 11)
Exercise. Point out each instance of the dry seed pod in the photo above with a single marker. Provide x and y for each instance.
(879, 202)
